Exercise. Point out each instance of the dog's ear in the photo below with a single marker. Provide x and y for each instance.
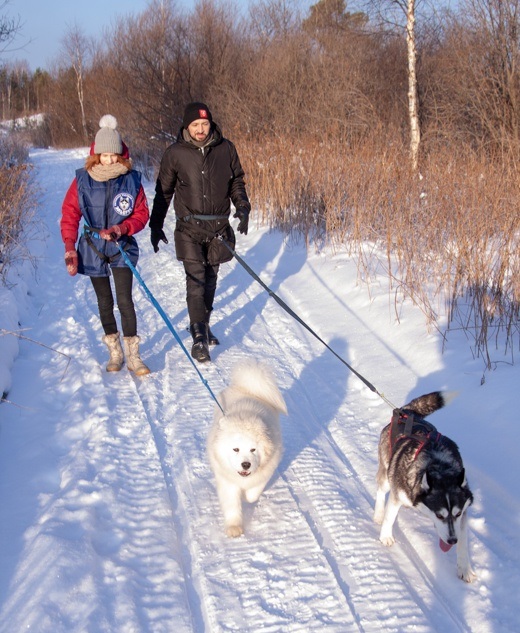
(425, 483)
(462, 482)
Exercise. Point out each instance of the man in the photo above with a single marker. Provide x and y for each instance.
(202, 168)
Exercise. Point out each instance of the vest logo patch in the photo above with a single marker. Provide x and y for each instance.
(123, 204)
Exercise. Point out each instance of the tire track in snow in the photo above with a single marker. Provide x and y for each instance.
(361, 516)
(249, 317)
(139, 553)
(320, 533)
(205, 540)
(239, 555)
(172, 427)
(137, 515)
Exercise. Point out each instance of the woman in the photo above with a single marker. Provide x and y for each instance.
(107, 194)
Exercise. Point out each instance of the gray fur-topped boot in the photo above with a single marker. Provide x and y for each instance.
(113, 342)
(133, 360)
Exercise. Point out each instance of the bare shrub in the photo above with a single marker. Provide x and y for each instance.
(473, 82)
(18, 205)
(40, 135)
(481, 272)
(13, 151)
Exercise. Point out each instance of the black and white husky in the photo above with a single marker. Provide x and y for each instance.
(421, 468)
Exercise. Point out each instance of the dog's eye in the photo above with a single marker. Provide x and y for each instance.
(440, 516)
(457, 515)
(236, 450)
(253, 450)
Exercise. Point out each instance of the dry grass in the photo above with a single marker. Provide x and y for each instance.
(448, 240)
(18, 207)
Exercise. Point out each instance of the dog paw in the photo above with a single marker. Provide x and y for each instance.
(467, 574)
(387, 540)
(234, 530)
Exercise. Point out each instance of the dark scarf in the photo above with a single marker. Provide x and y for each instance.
(186, 136)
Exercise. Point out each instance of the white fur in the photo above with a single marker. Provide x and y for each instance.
(108, 120)
(245, 442)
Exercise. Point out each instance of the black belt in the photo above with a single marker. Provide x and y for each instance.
(207, 218)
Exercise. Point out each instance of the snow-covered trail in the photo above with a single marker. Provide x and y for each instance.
(110, 520)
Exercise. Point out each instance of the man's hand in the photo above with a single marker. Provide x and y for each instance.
(71, 261)
(156, 236)
(243, 216)
(113, 233)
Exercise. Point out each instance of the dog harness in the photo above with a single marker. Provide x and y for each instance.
(406, 425)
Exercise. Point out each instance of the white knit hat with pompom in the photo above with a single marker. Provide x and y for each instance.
(108, 140)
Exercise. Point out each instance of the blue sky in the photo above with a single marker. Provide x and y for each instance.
(45, 22)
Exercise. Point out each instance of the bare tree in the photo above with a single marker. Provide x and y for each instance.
(273, 18)
(147, 73)
(413, 102)
(483, 51)
(389, 11)
(76, 47)
(9, 28)
(214, 47)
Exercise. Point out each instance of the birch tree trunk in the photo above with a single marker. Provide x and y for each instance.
(385, 10)
(76, 46)
(413, 105)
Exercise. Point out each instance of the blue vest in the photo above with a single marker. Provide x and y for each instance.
(104, 204)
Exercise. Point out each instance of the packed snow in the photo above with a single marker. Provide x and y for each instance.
(109, 515)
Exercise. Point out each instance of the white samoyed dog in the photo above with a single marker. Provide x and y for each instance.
(244, 443)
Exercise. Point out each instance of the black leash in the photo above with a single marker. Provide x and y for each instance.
(282, 303)
(287, 308)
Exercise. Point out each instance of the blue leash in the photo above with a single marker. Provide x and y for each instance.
(159, 309)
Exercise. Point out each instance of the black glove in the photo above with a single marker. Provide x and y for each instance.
(156, 236)
(243, 216)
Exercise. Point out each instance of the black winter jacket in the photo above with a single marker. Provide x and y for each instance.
(204, 182)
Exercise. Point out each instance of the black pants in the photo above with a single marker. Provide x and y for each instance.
(123, 278)
(201, 284)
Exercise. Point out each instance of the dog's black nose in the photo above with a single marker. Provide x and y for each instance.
(452, 541)
(246, 465)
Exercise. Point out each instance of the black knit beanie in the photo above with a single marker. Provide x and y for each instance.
(194, 111)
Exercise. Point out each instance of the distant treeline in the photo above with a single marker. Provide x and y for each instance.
(330, 74)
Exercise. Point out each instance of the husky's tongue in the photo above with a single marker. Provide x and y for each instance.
(445, 547)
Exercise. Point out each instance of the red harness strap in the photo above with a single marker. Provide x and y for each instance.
(407, 425)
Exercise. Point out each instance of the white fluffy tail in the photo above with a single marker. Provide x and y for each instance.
(430, 402)
(257, 380)
(449, 396)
